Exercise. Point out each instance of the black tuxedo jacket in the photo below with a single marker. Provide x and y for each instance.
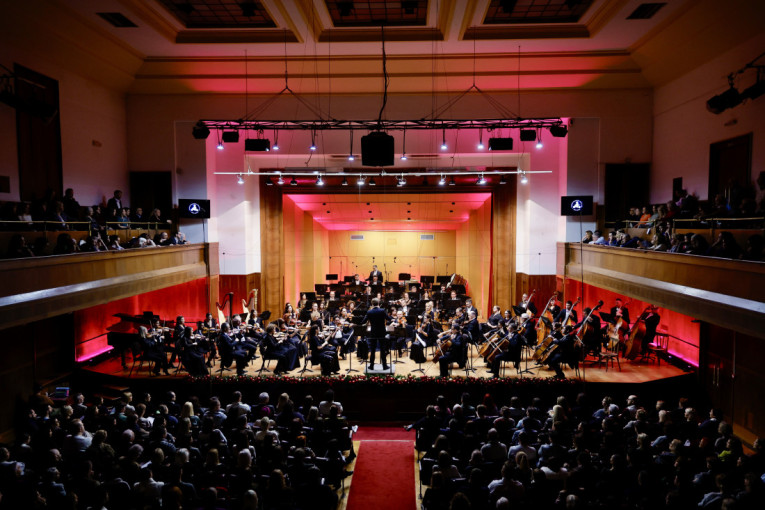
(376, 318)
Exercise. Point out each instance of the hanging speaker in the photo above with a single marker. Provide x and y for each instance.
(377, 149)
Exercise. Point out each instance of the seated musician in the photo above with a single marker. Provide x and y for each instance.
(527, 305)
(357, 281)
(332, 296)
(429, 310)
(290, 311)
(554, 309)
(493, 322)
(350, 308)
(206, 339)
(459, 316)
(398, 324)
(593, 338)
(651, 320)
(567, 351)
(619, 310)
(375, 281)
(405, 301)
(231, 351)
(425, 335)
(303, 301)
(342, 336)
(242, 337)
(292, 336)
(507, 318)
(323, 351)
(455, 353)
(153, 350)
(192, 352)
(510, 350)
(529, 329)
(280, 350)
(566, 314)
(209, 322)
(470, 328)
(325, 315)
(470, 308)
(180, 326)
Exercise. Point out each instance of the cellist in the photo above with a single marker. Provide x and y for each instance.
(592, 337)
(455, 352)
(566, 351)
(510, 350)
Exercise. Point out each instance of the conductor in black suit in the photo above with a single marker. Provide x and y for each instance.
(376, 318)
(375, 272)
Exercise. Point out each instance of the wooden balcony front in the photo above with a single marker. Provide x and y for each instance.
(719, 291)
(41, 287)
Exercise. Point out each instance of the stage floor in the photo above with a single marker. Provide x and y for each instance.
(629, 372)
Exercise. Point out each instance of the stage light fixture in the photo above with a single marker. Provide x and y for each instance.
(269, 182)
(345, 182)
(721, 102)
(503, 180)
(442, 180)
(528, 135)
(313, 141)
(481, 180)
(403, 157)
(200, 131)
(443, 141)
(220, 142)
(372, 182)
(319, 181)
(350, 152)
(275, 146)
(451, 182)
(293, 182)
(239, 179)
(559, 131)
(539, 140)
(280, 181)
(500, 144)
(401, 181)
(524, 179)
(403, 148)
(360, 180)
(377, 149)
(480, 140)
(351, 157)
(230, 137)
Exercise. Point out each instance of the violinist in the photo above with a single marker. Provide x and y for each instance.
(325, 315)
(323, 351)
(291, 339)
(455, 352)
(527, 329)
(399, 323)
(289, 313)
(303, 302)
(567, 313)
(238, 335)
(153, 350)
(510, 350)
(567, 351)
(279, 350)
(424, 336)
(470, 328)
(192, 352)
(593, 337)
(429, 311)
(206, 342)
(209, 322)
(405, 301)
(527, 305)
(343, 336)
(180, 326)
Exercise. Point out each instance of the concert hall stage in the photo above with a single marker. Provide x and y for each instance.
(403, 396)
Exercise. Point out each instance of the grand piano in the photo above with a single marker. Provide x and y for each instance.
(123, 334)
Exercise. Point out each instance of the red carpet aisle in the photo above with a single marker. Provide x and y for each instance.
(383, 476)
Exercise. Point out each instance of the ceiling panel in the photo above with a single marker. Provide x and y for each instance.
(535, 11)
(220, 13)
(346, 13)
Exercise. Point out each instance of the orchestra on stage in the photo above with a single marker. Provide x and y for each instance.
(431, 320)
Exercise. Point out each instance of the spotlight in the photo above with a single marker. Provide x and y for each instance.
(280, 181)
(350, 157)
(442, 181)
(728, 99)
(345, 182)
(403, 157)
(313, 141)
(559, 131)
(269, 182)
(401, 181)
(528, 135)
(319, 181)
(451, 182)
(480, 140)
(524, 179)
(503, 180)
(312, 147)
(230, 136)
(200, 131)
(293, 182)
(239, 179)
(220, 145)
(481, 180)
(539, 144)
(372, 182)
(360, 181)
(443, 141)
(275, 147)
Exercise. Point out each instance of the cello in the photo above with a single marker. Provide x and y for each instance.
(542, 328)
(635, 340)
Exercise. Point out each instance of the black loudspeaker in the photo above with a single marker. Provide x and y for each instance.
(528, 135)
(257, 145)
(500, 144)
(230, 137)
(200, 131)
(377, 149)
(559, 131)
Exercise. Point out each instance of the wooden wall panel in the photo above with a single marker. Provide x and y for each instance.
(545, 285)
(503, 219)
(272, 247)
(240, 285)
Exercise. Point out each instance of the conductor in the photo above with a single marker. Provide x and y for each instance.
(376, 318)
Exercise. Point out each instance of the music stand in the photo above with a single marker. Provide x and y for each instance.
(330, 277)
(320, 288)
(419, 363)
(347, 279)
(518, 310)
(443, 280)
(427, 281)
(459, 288)
(398, 332)
(310, 296)
(402, 277)
(358, 332)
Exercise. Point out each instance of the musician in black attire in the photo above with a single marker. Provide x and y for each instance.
(622, 311)
(593, 339)
(425, 335)
(566, 313)
(529, 332)
(493, 321)
(554, 310)
(470, 328)
(470, 308)
(180, 326)
(281, 350)
(376, 318)
(239, 335)
(192, 352)
(456, 352)
(230, 350)
(527, 305)
(375, 273)
(511, 351)
(323, 352)
(567, 351)
(153, 350)
(652, 320)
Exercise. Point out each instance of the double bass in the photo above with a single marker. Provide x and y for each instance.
(570, 321)
(586, 328)
(615, 330)
(543, 330)
(635, 341)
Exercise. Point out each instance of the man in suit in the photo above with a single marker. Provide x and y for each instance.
(566, 352)
(469, 307)
(229, 350)
(527, 305)
(114, 203)
(619, 310)
(356, 280)
(594, 337)
(566, 313)
(652, 320)
(376, 318)
(455, 353)
(375, 272)
(471, 329)
(511, 352)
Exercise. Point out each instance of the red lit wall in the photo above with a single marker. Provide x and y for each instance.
(90, 324)
(684, 346)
